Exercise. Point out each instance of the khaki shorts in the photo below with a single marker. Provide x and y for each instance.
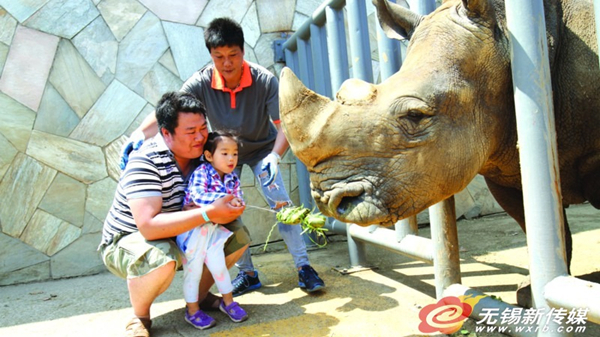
(131, 255)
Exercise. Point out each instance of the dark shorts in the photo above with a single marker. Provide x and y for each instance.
(131, 255)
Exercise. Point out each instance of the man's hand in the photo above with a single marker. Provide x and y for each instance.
(223, 211)
(270, 167)
(134, 142)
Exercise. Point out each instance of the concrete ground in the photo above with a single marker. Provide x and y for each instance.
(383, 301)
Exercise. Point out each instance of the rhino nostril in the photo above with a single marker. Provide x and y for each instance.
(347, 204)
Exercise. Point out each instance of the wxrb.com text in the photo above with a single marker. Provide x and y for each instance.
(532, 320)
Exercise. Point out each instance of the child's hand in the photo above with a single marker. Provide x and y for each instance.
(235, 202)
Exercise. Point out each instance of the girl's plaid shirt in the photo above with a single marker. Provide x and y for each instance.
(205, 186)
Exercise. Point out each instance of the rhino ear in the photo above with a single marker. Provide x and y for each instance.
(396, 21)
(478, 8)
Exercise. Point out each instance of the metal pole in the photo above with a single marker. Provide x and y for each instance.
(306, 75)
(338, 56)
(422, 7)
(390, 57)
(291, 60)
(537, 148)
(321, 65)
(359, 40)
(446, 263)
(413, 246)
(318, 18)
(305, 63)
(356, 249)
(338, 59)
(404, 227)
(572, 293)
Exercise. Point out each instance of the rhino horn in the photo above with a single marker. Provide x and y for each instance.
(397, 22)
(302, 117)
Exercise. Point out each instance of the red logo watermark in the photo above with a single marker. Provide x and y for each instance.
(447, 315)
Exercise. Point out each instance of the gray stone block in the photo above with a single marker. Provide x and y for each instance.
(121, 15)
(3, 55)
(234, 9)
(117, 107)
(22, 10)
(21, 190)
(264, 51)
(48, 233)
(74, 79)
(182, 11)
(147, 110)
(275, 16)
(168, 62)
(99, 197)
(78, 259)
(64, 18)
(298, 21)
(251, 26)
(7, 155)
(307, 7)
(91, 224)
(140, 50)
(158, 81)
(34, 273)
(8, 24)
(98, 46)
(113, 157)
(27, 66)
(78, 160)
(249, 54)
(17, 255)
(55, 116)
(65, 199)
(189, 53)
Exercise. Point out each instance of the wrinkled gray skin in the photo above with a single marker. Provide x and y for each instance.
(380, 153)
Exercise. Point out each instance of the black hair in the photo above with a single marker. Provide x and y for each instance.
(215, 137)
(223, 32)
(171, 104)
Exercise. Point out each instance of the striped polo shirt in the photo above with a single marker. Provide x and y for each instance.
(250, 109)
(151, 171)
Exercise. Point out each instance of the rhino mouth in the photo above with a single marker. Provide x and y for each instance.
(353, 203)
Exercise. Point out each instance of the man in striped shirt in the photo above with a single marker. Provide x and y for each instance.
(146, 212)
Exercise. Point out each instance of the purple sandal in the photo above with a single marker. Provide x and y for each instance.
(200, 320)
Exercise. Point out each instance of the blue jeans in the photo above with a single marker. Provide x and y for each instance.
(291, 234)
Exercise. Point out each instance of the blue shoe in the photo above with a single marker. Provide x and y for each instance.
(244, 283)
(309, 280)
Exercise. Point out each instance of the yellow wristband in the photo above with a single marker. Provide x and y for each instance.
(203, 212)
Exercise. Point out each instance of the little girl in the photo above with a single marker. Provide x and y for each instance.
(204, 244)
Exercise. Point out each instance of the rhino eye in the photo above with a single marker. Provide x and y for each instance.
(415, 116)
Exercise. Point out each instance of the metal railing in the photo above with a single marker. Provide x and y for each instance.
(323, 37)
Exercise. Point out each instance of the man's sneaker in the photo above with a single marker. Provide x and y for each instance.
(234, 311)
(199, 320)
(309, 279)
(244, 283)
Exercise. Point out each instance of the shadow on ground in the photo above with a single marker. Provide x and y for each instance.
(382, 301)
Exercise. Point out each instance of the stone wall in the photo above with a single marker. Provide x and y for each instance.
(77, 77)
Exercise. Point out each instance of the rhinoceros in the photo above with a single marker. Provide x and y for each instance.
(380, 153)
